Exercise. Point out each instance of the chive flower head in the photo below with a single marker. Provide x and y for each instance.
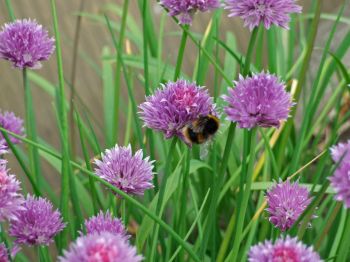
(37, 223)
(185, 9)
(340, 180)
(12, 123)
(130, 173)
(10, 198)
(25, 44)
(104, 247)
(286, 202)
(4, 256)
(266, 12)
(105, 222)
(284, 249)
(175, 105)
(259, 100)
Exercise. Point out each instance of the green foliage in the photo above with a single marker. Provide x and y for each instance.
(201, 209)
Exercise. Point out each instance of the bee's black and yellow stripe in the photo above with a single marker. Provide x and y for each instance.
(201, 129)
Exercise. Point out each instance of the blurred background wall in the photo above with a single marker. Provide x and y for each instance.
(93, 38)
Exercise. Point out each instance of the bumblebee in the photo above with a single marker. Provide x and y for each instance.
(201, 129)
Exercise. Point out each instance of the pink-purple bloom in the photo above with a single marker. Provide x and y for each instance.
(340, 180)
(341, 152)
(259, 100)
(286, 202)
(3, 151)
(10, 198)
(130, 173)
(4, 256)
(185, 9)
(267, 12)
(25, 43)
(3, 147)
(104, 247)
(284, 249)
(12, 123)
(105, 222)
(175, 105)
(37, 223)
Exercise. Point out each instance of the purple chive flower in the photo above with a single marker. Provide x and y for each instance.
(10, 198)
(130, 173)
(185, 9)
(105, 222)
(3, 161)
(284, 249)
(340, 180)
(286, 202)
(105, 247)
(268, 12)
(3, 151)
(175, 105)
(25, 43)
(260, 100)
(12, 123)
(341, 152)
(4, 256)
(37, 223)
(3, 147)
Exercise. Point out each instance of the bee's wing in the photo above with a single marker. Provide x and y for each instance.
(204, 150)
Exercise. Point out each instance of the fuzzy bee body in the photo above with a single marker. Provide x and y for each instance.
(201, 129)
